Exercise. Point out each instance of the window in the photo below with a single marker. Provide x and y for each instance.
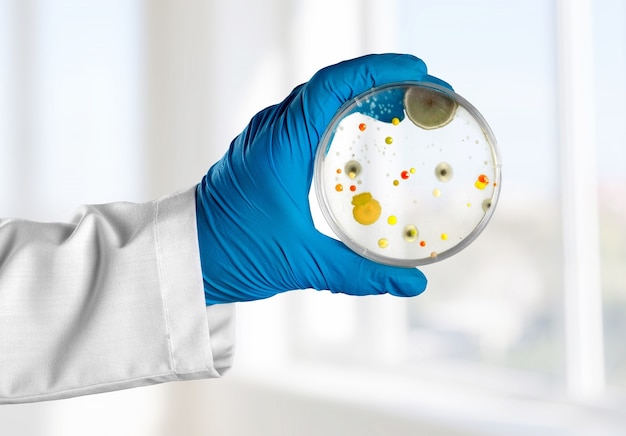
(72, 117)
(540, 293)
(500, 301)
(610, 92)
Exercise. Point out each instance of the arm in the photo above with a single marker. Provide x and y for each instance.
(114, 299)
(111, 300)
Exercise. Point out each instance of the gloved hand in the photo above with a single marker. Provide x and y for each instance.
(255, 228)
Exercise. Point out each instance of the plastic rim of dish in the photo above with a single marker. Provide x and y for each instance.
(402, 184)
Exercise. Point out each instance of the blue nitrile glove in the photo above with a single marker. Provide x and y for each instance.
(255, 228)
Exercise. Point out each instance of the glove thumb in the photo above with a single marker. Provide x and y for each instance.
(341, 270)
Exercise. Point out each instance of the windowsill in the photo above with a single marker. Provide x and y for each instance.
(466, 401)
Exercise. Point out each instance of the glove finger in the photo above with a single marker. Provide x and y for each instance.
(302, 118)
(437, 81)
(340, 270)
(332, 86)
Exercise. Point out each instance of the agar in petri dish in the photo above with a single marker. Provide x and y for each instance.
(421, 156)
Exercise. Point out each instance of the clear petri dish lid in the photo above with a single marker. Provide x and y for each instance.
(407, 173)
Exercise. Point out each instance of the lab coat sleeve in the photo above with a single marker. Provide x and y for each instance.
(111, 300)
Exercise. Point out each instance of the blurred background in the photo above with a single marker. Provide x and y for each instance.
(521, 333)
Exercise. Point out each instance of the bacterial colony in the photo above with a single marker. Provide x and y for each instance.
(404, 194)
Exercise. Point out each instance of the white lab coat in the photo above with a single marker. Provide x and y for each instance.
(111, 300)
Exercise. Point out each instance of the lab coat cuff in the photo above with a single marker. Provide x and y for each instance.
(201, 338)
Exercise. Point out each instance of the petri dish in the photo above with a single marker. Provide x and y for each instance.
(407, 173)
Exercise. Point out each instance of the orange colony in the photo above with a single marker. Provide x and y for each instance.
(366, 210)
(482, 182)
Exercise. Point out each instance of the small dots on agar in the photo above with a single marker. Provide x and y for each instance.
(469, 204)
(436, 192)
(410, 233)
(383, 243)
(422, 243)
(338, 187)
(404, 175)
(392, 220)
(389, 140)
(412, 170)
(483, 179)
(444, 236)
(362, 127)
(395, 121)
(352, 188)
(396, 183)
(433, 254)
